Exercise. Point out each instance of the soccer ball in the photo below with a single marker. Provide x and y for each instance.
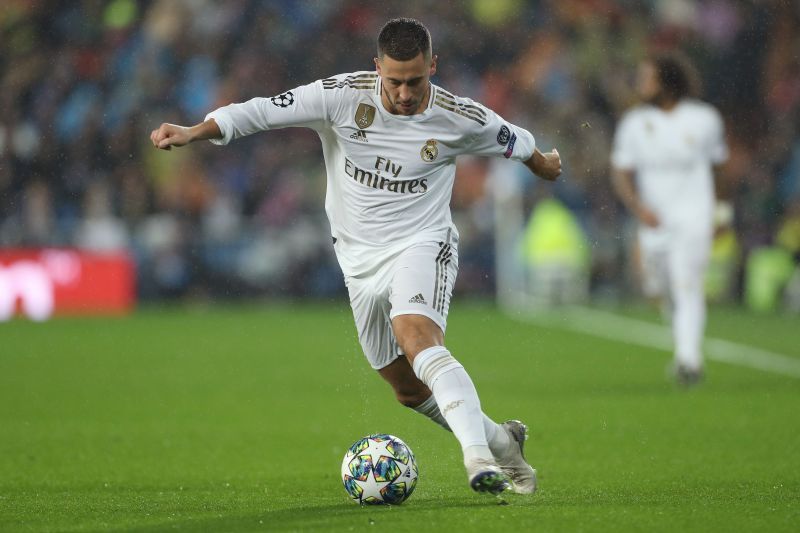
(379, 469)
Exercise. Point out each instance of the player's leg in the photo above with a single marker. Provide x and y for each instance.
(368, 299)
(371, 310)
(654, 272)
(413, 393)
(410, 391)
(420, 296)
(687, 265)
(421, 340)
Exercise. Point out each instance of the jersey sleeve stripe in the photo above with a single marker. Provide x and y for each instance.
(353, 85)
(444, 105)
(477, 111)
(366, 80)
(454, 100)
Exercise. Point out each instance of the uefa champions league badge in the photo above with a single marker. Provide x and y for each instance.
(283, 100)
(429, 151)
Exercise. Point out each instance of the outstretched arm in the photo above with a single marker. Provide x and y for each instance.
(626, 191)
(303, 106)
(546, 166)
(496, 137)
(169, 135)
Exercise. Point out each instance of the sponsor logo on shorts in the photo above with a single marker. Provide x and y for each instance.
(511, 142)
(503, 135)
(418, 299)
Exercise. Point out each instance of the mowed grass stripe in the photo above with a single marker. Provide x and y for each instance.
(649, 335)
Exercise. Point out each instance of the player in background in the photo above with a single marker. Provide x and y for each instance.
(390, 139)
(663, 160)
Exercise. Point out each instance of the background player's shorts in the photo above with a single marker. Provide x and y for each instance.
(418, 281)
(673, 258)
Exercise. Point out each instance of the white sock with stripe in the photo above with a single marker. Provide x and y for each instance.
(457, 399)
(495, 436)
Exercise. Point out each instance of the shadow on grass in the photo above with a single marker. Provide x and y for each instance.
(343, 516)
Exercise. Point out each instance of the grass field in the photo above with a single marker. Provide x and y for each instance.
(236, 419)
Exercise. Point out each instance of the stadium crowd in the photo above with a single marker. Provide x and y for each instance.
(82, 84)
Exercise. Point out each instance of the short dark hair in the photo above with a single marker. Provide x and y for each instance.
(675, 75)
(403, 39)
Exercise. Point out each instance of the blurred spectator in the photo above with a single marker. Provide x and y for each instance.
(82, 84)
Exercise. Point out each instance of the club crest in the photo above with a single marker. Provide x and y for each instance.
(429, 151)
(365, 114)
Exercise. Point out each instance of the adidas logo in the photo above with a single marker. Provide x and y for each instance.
(418, 299)
(452, 405)
(360, 135)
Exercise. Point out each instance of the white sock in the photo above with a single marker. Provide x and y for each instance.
(430, 409)
(456, 397)
(495, 436)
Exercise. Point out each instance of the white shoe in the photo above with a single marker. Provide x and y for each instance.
(486, 476)
(512, 462)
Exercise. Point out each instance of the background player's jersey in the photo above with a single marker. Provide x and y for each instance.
(390, 177)
(672, 153)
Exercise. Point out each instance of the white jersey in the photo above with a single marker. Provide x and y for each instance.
(672, 153)
(390, 177)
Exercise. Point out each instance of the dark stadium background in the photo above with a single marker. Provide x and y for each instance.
(83, 83)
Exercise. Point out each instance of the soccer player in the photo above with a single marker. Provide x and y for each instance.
(390, 139)
(663, 158)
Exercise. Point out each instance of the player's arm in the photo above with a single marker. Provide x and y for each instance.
(623, 164)
(546, 166)
(303, 106)
(623, 182)
(493, 136)
(718, 153)
(169, 135)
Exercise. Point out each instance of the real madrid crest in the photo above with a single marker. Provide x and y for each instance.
(365, 114)
(429, 151)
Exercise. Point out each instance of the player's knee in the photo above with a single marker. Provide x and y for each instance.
(415, 333)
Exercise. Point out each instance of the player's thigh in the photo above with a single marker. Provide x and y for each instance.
(653, 254)
(688, 260)
(423, 280)
(370, 307)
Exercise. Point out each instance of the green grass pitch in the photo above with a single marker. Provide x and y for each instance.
(237, 418)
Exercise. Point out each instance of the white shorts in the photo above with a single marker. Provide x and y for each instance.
(672, 259)
(417, 281)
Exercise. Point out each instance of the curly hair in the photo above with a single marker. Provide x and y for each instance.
(676, 75)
